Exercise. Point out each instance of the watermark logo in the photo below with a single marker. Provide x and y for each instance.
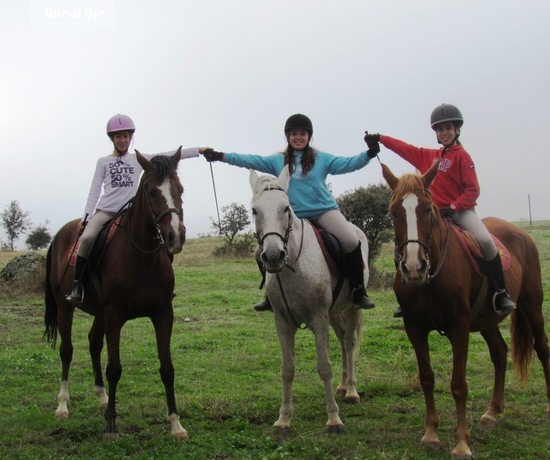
(72, 16)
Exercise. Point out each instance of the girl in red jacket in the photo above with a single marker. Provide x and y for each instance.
(455, 189)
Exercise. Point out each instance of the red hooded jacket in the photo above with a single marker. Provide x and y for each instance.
(455, 184)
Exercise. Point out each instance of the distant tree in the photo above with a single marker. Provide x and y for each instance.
(235, 219)
(38, 238)
(15, 222)
(367, 208)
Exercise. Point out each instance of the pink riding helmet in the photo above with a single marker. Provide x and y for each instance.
(120, 122)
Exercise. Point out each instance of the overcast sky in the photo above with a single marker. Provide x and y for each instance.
(227, 74)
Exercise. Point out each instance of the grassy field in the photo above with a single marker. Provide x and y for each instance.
(228, 386)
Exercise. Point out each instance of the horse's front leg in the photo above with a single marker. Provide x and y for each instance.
(324, 368)
(459, 387)
(95, 339)
(419, 341)
(163, 323)
(65, 316)
(286, 334)
(498, 351)
(113, 372)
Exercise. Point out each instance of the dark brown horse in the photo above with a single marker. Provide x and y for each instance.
(133, 279)
(438, 289)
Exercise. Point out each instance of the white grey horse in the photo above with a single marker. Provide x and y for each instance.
(300, 286)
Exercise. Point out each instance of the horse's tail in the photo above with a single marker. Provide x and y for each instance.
(50, 315)
(522, 343)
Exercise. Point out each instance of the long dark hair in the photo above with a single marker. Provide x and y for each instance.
(308, 159)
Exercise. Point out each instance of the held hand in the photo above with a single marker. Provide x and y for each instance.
(448, 213)
(371, 137)
(212, 155)
(373, 142)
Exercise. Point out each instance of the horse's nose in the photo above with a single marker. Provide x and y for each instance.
(273, 259)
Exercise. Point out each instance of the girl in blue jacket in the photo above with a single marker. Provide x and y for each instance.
(308, 193)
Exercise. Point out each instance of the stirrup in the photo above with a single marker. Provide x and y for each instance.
(502, 303)
(76, 296)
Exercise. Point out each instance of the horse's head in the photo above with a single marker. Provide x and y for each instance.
(160, 191)
(413, 215)
(272, 217)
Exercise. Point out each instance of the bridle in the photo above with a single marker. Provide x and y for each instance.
(426, 245)
(286, 236)
(156, 220)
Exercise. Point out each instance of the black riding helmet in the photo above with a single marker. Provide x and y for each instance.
(446, 113)
(299, 121)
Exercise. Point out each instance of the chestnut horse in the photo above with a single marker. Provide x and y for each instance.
(134, 278)
(300, 284)
(438, 289)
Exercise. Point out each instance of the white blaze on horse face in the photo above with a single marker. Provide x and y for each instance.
(410, 202)
(165, 189)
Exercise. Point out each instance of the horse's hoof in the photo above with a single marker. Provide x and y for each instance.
(110, 436)
(462, 455)
(61, 415)
(181, 436)
(488, 422)
(356, 399)
(282, 428)
(430, 440)
(336, 429)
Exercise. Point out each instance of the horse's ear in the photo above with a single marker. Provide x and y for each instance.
(144, 162)
(284, 178)
(389, 176)
(430, 174)
(253, 179)
(176, 157)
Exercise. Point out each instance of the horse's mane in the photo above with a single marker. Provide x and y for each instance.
(161, 167)
(408, 183)
(265, 183)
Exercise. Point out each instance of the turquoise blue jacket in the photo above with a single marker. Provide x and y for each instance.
(309, 196)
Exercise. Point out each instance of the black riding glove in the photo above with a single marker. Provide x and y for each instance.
(373, 142)
(212, 155)
(448, 213)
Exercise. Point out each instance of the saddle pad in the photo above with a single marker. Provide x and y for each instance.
(111, 231)
(473, 251)
(333, 267)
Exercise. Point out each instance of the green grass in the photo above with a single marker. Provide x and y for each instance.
(228, 387)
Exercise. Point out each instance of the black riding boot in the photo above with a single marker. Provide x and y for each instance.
(76, 296)
(264, 305)
(355, 266)
(502, 303)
